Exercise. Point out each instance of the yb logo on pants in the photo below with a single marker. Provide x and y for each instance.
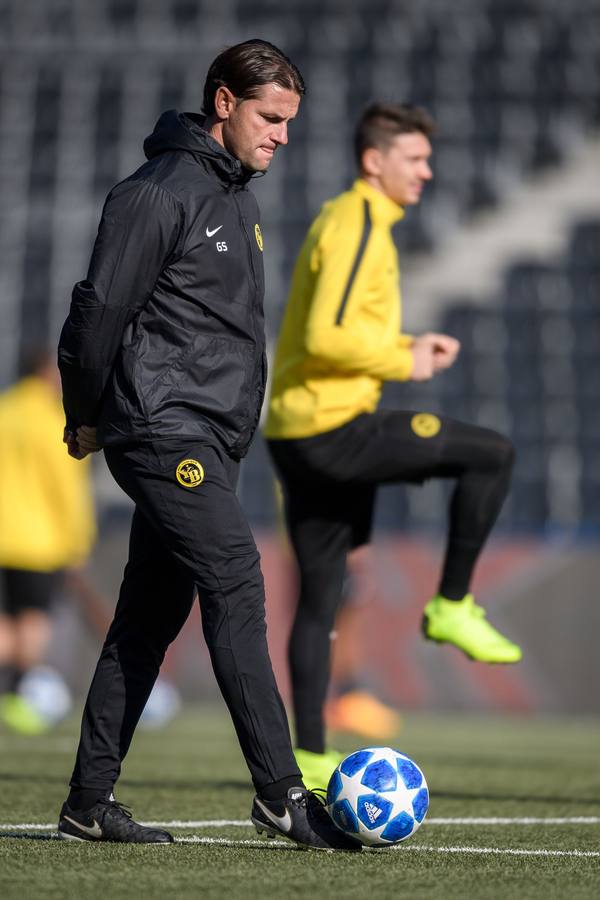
(189, 473)
(425, 425)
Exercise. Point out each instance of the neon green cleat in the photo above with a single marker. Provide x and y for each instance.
(463, 623)
(317, 768)
(20, 716)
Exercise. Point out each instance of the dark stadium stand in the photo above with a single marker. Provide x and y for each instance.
(529, 367)
(509, 82)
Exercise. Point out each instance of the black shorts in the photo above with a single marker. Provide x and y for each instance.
(330, 480)
(22, 589)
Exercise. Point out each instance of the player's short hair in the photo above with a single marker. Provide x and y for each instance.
(382, 122)
(245, 67)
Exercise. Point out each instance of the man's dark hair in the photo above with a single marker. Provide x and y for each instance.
(245, 67)
(382, 122)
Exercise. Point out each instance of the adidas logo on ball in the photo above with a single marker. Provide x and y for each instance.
(372, 811)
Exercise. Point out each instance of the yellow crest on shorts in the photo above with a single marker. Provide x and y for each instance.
(425, 425)
(258, 235)
(189, 473)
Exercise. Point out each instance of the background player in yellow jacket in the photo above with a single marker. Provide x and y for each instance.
(46, 526)
(342, 338)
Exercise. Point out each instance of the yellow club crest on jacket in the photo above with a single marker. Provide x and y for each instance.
(258, 235)
(189, 473)
(425, 425)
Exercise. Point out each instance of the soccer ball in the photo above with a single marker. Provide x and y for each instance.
(47, 692)
(378, 796)
(163, 705)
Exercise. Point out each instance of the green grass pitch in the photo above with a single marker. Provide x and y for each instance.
(534, 786)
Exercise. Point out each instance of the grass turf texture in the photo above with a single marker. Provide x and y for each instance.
(476, 767)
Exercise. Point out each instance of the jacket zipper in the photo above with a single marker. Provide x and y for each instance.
(244, 229)
(258, 365)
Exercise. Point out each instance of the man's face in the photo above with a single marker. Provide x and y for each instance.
(254, 128)
(403, 168)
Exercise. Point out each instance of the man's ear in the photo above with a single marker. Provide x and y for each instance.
(224, 103)
(371, 161)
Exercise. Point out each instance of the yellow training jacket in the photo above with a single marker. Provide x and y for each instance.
(46, 510)
(340, 337)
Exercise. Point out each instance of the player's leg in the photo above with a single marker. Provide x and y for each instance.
(8, 672)
(391, 446)
(353, 706)
(325, 521)
(320, 547)
(480, 460)
(29, 596)
(205, 529)
(33, 630)
(7, 637)
(154, 602)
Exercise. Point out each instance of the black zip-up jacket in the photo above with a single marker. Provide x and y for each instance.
(165, 337)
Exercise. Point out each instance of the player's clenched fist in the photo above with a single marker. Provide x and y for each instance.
(444, 348)
(81, 443)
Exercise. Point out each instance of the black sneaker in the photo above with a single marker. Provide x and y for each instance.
(302, 818)
(107, 820)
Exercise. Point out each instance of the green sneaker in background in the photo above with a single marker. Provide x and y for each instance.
(19, 715)
(463, 623)
(317, 768)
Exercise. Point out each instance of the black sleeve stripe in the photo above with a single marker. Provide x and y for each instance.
(357, 261)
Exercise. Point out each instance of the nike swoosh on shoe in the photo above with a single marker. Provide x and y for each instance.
(282, 822)
(95, 831)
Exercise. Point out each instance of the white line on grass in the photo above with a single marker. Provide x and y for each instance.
(423, 848)
(240, 823)
(497, 851)
(246, 823)
(522, 820)
(288, 845)
(502, 851)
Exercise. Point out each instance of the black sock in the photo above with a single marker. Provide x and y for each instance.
(85, 798)
(278, 790)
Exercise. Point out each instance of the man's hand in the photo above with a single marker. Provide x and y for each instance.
(73, 449)
(86, 438)
(423, 362)
(81, 443)
(444, 349)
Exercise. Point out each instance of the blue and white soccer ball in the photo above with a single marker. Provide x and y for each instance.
(378, 795)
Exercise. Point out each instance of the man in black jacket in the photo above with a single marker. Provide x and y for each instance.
(162, 362)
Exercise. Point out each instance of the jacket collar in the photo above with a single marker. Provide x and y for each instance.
(227, 167)
(383, 209)
(185, 131)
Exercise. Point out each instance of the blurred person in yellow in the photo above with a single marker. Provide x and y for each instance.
(47, 527)
(340, 341)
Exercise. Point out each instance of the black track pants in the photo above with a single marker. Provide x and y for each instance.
(329, 483)
(184, 536)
